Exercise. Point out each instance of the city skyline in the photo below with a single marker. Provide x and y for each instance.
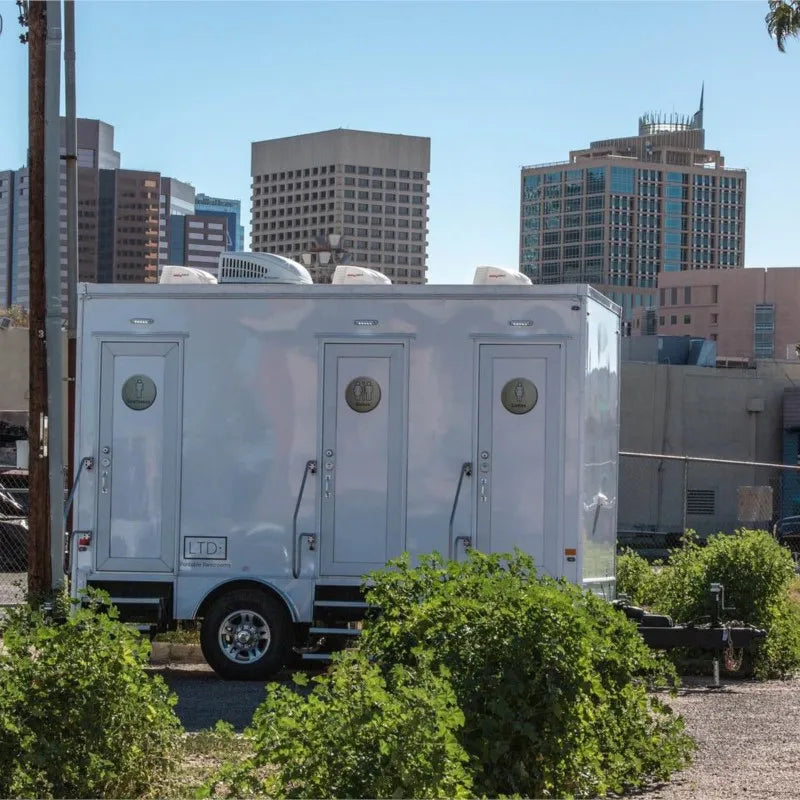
(493, 86)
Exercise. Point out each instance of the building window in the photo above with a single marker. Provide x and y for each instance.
(687, 295)
(673, 320)
(595, 202)
(714, 319)
(595, 180)
(594, 218)
(622, 180)
(764, 330)
(687, 319)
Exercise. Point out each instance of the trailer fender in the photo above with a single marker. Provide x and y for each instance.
(234, 585)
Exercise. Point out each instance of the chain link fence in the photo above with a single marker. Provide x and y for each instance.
(13, 534)
(660, 496)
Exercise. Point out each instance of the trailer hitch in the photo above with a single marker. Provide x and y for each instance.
(661, 633)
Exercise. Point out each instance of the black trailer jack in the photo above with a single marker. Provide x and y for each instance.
(724, 639)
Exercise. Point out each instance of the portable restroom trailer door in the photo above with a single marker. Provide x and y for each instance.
(518, 461)
(362, 464)
(138, 469)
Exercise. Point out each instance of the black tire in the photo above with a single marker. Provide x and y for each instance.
(265, 632)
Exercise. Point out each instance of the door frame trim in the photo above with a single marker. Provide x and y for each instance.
(356, 339)
(562, 343)
(179, 340)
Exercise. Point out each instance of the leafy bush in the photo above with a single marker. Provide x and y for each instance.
(358, 733)
(756, 572)
(758, 575)
(551, 680)
(635, 577)
(79, 717)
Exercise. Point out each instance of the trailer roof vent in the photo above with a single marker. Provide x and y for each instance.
(701, 502)
(492, 276)
(344, 274)
(261, 268)
(176, 274)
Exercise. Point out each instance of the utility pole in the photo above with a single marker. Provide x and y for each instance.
(54, 319)
(71, 142)
(39, 563)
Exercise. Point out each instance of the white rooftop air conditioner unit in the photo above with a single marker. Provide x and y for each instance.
(176, 274)
(260, 268)
(358, 275)
(491, 276)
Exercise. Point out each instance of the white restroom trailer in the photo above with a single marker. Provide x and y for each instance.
(257, 449)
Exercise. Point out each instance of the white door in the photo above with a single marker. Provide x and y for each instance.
(362, 464)
(138, 464)
(519, 441)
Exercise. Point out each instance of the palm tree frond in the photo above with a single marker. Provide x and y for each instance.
(783, 21)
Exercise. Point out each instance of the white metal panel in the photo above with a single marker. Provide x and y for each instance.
(518, 459)
(599, 439)
(361, 466)
(138, 461)
(253, 386)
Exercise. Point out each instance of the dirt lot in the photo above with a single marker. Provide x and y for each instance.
(748, 737)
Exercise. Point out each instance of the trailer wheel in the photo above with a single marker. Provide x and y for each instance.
(246, 635)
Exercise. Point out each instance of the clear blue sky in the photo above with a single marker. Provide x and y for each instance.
(188, 86)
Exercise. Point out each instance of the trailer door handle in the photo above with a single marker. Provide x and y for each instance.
(310, 469)
(466, 471)
(104, 482)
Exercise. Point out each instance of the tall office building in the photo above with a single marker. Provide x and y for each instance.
(622, 211)
(177, 201)
(343, 196)
(205, 237)
(128, 226)
(14, 238)
(95, 153)
(205, 205)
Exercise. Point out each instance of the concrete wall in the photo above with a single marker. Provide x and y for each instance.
(696, 411)
(14, 369)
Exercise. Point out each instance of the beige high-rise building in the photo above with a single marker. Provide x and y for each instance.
(343, 196)
(622, 211)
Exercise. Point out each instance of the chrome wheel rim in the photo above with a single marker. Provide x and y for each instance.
(244, 636)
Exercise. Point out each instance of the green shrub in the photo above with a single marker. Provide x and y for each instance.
(551, 680)
(79, 717)
(757, 573)
(635, 577)
(358, 733)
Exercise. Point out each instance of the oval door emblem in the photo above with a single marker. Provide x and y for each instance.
(363, 394)
(519, 396)
(138, 392)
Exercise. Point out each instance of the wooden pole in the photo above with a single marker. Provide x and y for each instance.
(39, 565)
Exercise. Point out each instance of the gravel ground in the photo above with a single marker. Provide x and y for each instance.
(748, 737)
(204, 698)
(12, 587)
